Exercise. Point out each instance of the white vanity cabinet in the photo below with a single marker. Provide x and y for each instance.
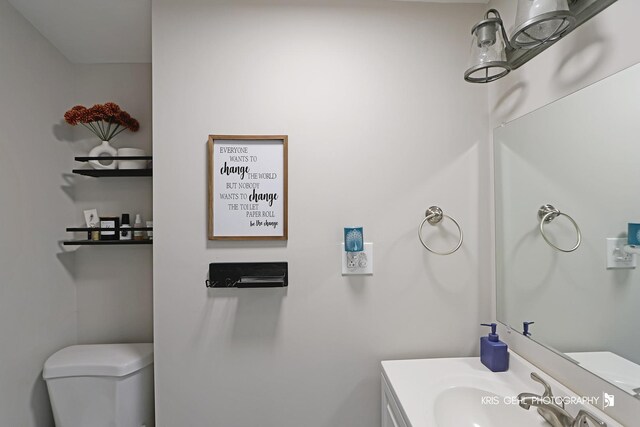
(391, 415)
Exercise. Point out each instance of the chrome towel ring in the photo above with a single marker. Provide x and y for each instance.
(434, 216)
(548, 213)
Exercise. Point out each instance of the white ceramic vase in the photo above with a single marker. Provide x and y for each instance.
(103, 150)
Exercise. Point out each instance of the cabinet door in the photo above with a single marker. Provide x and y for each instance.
(391, 416)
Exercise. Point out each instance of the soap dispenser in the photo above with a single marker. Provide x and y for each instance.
(493, 352)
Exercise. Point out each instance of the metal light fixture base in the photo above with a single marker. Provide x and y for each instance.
(481, 74)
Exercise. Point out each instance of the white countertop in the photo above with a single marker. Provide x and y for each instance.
(418, 384)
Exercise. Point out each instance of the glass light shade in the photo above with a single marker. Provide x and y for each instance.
(488, 59)
(541, 21)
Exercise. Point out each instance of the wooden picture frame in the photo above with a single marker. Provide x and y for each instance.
(248, 187)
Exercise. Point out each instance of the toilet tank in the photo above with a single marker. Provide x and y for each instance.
(101, 385)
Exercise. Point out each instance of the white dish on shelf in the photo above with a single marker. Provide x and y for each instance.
(131, 164)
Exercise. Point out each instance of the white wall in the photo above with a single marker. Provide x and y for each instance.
(49, 297)
(114, 283)
(596, 50)
(381, 125)
(37, 291)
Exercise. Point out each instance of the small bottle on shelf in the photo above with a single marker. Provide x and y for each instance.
(138, 235)
(95, 234)
(125, 227)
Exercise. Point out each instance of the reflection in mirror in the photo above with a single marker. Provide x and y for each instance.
(580, 154)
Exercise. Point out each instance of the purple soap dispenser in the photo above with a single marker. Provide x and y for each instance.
(493, 352)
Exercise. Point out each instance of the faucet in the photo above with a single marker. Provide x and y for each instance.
(553, 413)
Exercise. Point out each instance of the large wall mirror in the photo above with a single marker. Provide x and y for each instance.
(580, 154)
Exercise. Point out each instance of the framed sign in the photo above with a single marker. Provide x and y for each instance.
(247, 187)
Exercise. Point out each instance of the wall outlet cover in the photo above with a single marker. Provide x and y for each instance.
(357, 263)
(617, 258)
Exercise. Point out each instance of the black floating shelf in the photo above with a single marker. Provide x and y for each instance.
(86, 159)
(106, 242)
(117, 229)
(97, 173)
(248, 275)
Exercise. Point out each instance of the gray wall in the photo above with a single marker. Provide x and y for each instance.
(114, 284)
(49, 297)
(37, 289)
(381, 125)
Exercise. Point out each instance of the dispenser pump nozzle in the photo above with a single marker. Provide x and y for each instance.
(492, 336)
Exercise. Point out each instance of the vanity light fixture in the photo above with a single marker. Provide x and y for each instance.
(539, 24)
(488, 50)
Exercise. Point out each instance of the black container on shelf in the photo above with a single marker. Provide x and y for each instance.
(110, 222)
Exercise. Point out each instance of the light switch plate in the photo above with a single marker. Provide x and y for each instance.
(616, 257)
(363, 265)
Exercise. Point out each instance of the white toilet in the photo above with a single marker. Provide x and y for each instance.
(102, 385)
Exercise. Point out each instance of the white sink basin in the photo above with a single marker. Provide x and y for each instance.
(461, 392)
(481, 409)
